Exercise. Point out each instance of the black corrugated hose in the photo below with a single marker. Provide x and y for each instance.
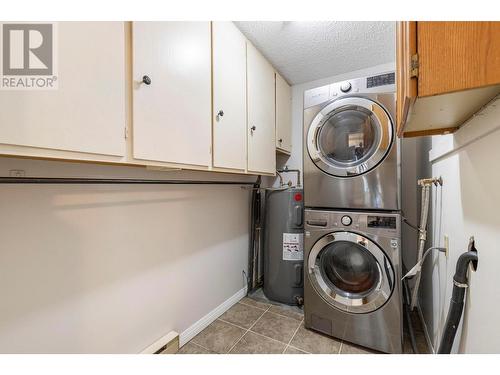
(460, 283)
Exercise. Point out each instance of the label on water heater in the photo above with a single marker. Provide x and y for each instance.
(293, 246)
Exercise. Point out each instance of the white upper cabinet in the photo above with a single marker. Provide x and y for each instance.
(190, 95)
(172, 92)
(261, 113)
(229, 96)
(84, 117)
(283, 115)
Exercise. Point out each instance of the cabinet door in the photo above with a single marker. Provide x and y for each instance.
(261, 113)
(172, 104)
(85, 114)
(456, 56)
(406, 47)
(283, 115)
(229, 96)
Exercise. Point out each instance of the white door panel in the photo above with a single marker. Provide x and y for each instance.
(283, 114)
(171, 116)
(261, 113)
(86, 113)
(229, 96)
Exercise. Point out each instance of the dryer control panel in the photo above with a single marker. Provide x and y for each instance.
(387, 222)
(381, 80)
(378, 84)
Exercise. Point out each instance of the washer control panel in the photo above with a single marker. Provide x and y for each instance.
(346, 220)
(380, 224)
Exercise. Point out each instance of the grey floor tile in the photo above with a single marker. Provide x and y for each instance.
(277, 327)
(252, 343)
(255, 303)
(355, 349)
(191, 348)
(313, 342)
(416, 322)
(219, 336)
(288, 311)
(422, 346)
(407, 349)
(292, 350)
(242, 315)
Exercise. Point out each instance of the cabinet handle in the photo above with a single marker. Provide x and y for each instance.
(280, 140)
(253, 128)
(146, 80)
(219, 115)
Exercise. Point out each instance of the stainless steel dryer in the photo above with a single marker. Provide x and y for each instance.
(352, 287)
(350, 147)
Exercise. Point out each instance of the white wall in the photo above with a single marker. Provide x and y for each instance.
(467, 205)
(295, 160)
(111, 268)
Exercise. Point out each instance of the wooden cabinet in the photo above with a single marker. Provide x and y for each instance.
(283, 115)
(229, 97)
(82, 119)
(261, 113)
(172, 92)
(446, 72)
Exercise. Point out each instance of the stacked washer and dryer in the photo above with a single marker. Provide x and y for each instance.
(352, 245)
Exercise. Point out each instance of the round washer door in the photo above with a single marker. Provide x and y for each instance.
(349, 137)
(350, 272)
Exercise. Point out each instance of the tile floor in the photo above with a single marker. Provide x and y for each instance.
(256, 325)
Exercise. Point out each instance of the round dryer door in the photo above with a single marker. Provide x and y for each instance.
(349, 137)
(350, 272)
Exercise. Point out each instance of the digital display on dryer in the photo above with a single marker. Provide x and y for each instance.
(386, 222)
(380, 80)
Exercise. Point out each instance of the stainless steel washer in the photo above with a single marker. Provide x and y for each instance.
(350, 147)
(352, 287)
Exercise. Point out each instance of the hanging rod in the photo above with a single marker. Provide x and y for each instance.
(74, 180)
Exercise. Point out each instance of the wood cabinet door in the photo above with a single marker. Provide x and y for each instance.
(406, 47)
(85, 114)
(229, 96)
(456, 56)
(172, 114)
(261, 113)
(283, 115)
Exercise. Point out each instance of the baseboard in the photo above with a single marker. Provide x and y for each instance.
(426, 330)
(205, 321)
(166, 344)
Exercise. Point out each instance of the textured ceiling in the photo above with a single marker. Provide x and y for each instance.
(306, 51)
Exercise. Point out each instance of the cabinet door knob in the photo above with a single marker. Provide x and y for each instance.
(253, 128)
(220, 113)
(280, 140)
(146, 80)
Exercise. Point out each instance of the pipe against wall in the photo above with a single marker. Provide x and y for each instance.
(297, 171)
(421, 240)
(73, 180)
(426, 184)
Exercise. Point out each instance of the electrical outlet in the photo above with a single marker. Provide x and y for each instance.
(446, 245)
